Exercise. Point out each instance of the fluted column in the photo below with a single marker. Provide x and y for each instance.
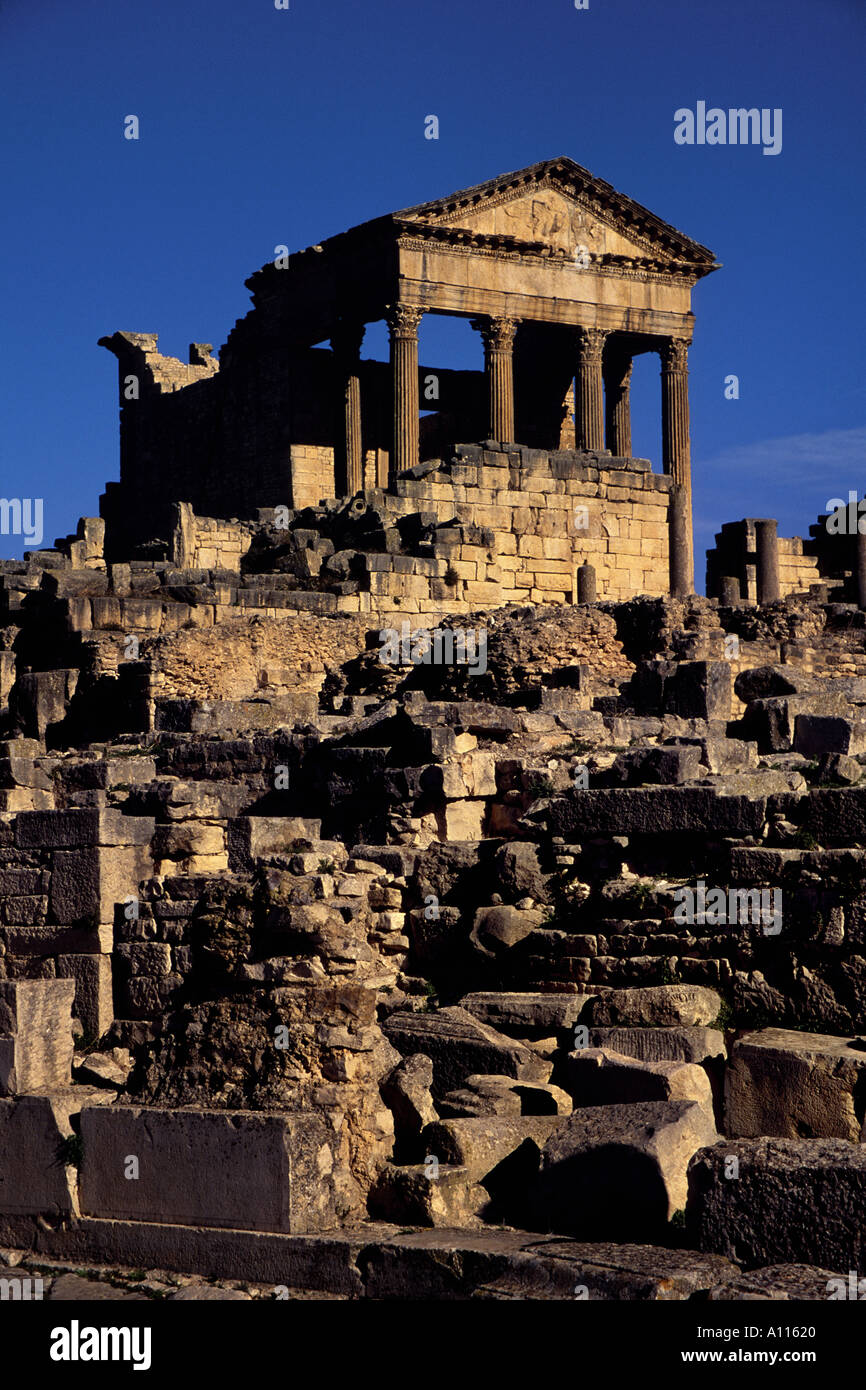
(403, 321)
(676, 453)
(588, 390)
(617, 405)
(349, 457)
(498, 335)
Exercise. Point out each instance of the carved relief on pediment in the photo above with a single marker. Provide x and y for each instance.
(552, 217)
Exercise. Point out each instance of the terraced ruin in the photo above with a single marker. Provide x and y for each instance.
(335, 967)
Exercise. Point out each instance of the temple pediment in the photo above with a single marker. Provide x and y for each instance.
(561, 206)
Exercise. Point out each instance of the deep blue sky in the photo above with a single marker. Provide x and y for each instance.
(261, 127)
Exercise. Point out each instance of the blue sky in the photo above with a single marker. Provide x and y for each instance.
(261, 126)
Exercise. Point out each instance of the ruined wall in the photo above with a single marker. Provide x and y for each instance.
(258, 432)
(734, 554)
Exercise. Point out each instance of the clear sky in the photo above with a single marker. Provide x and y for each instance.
(260, 127)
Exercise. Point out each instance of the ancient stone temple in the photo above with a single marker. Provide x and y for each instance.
(565, 279)
(400, 973)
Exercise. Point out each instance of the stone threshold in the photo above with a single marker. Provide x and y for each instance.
(380, 1261)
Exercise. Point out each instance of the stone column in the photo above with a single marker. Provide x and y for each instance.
(861, 567)
(676, 455)
(679, 536)
(767, 561)
(498, 335)
(348, 455)
(588, 390)
(617, 404)
(586, 583)
(403, 320)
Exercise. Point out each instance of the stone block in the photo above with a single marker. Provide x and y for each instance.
(463, 820)
(32, 1129)
(699, 1045)
(618, 1172)
(80, 829)
(89, 883)
(780, 1201)
(662, 1006)
(815, 734)
(599, 1076)
(796, 1085)
(527, 1015)
(460, 1046)
(94, 997)
(35, 1035)
(248, 1170)
(254, 837)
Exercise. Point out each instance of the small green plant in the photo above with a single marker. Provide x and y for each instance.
(70, 1152)
(539, 784)
(326, 866)
(804, 839)
(451, 575)
(678, 1220)
(725, 1017)
(667, 976)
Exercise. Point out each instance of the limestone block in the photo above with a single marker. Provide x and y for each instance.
(815, 734)
(80, 828)
(182, 839)
(463, 820)
(472, 774)
(460, 1046)
(33, 1182)
(659, 1005)
(407, 1093)
(94, 997)
(480, 1144)
(497, 928)
(35, 1035)
(795, 1085)
(501, 1096)
(241, 1169)
(699, 1045)
(528, 1015)
(618, 1172)
(253, 837)
(599, 1076)
(89, 883)
(768, 1201)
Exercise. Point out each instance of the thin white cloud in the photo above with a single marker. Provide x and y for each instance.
(791, 478)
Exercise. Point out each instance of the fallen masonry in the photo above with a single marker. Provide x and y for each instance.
(386, 967)
(330, 970)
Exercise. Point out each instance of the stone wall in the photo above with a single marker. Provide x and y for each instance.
(734, 555)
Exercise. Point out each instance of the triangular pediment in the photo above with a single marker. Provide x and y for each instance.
(561, 206)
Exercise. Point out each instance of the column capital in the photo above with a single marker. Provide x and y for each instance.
(497, 331)
(674, 353)
(590, 342)
(403, 320)
(347, 337)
